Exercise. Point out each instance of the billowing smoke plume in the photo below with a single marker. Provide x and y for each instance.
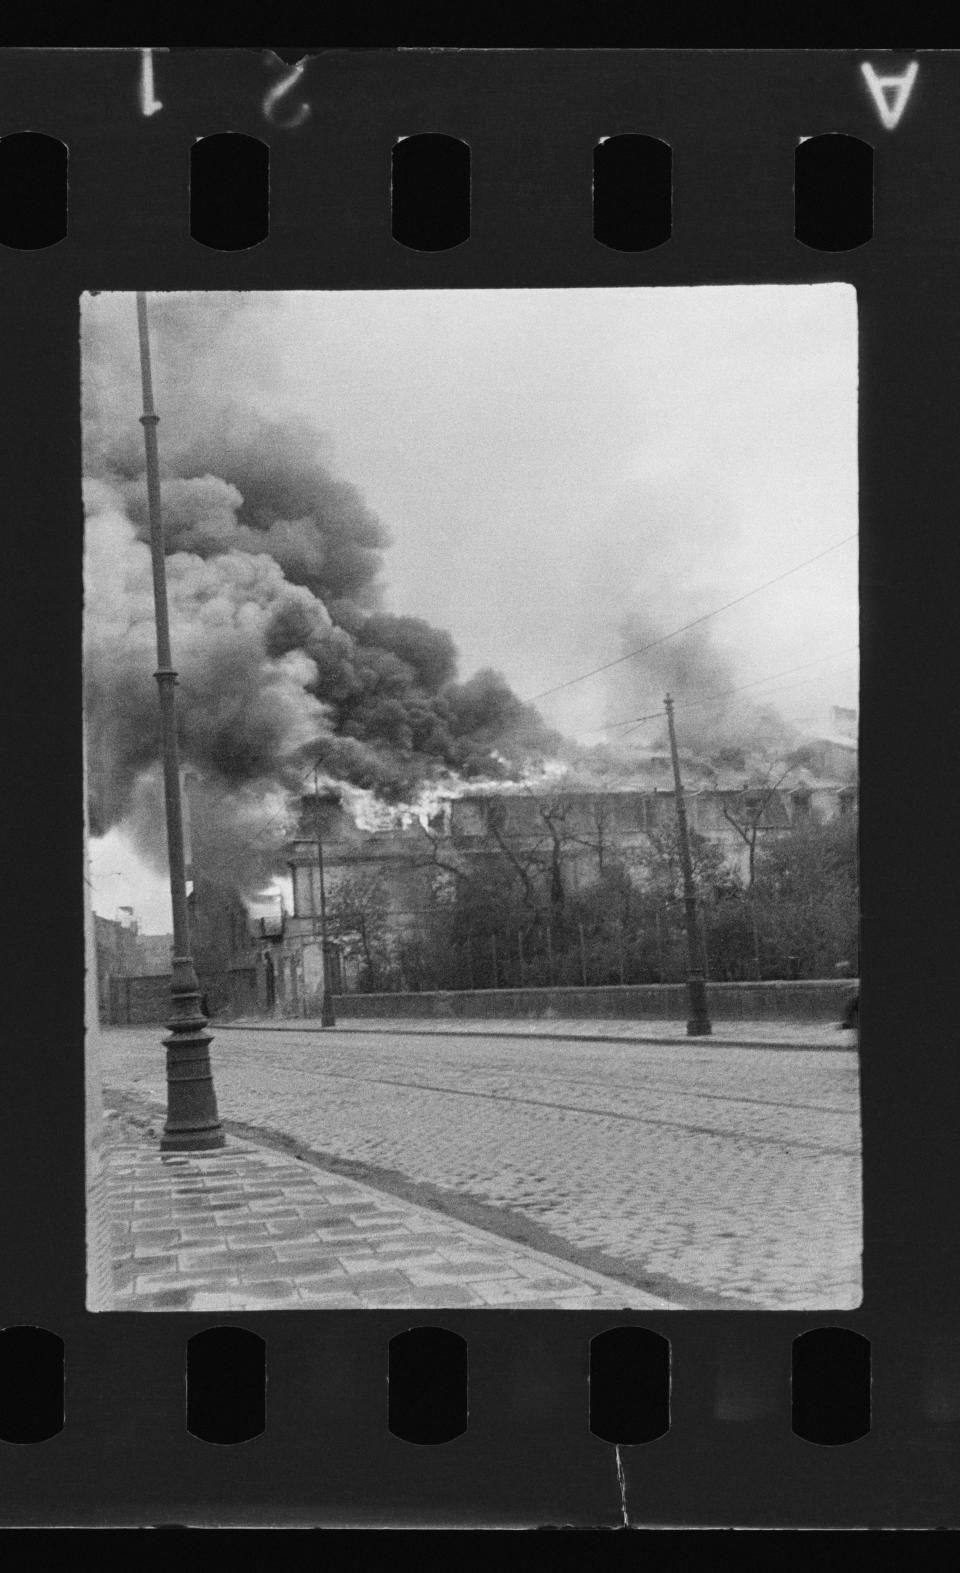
(714, 715)
(285, 655)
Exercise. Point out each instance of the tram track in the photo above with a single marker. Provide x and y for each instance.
(675, 1089)
(719, 1133)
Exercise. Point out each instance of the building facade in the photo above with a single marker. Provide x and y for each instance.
(390, 877)
(375, 882)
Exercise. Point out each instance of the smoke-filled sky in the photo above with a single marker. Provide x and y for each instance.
(393, 518)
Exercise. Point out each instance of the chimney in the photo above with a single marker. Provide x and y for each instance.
(843, 723)
(325, 806)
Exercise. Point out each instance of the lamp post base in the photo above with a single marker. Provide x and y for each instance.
(698, 1029)
(193, 1140)
(698, 1025)
(193, 1124)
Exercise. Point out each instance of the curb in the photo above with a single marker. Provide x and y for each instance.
(555, 1037)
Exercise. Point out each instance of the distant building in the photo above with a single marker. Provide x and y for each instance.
(124, 953)
(834, 758)
(410, 867)
(279, 970)
(843, 723)
(119, 953)
(386, 877)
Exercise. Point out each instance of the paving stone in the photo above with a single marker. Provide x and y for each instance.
(383, 1228)
(385, 1279)
(193, 1262)
(296, 1250)
(273, 1288)
(517, 1292)
(251, 1256)
(165, 1300)
(450, 1274)
(315, 1262)
(454, 1261)
(153, 1261)
(328, 1219)
(423, 1255)
(355, 1232)
(293, 1250)
(155, 1282)
(310, 1278)
(439, 1298)
(252, 1276)
(536, 1271)
(152, 1239)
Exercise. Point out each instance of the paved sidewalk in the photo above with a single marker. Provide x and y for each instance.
(247, 1228)
(729, 1034)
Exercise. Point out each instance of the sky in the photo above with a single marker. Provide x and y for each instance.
(560, 470)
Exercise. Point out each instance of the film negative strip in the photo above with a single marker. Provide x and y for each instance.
(436, 1096)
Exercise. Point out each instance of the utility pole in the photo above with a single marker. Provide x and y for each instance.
(698, 1025)
(193, 1124)
(327, 1015)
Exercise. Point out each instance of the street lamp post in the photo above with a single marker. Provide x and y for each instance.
(698, 1025)
(192, 1123)
(327, 1014)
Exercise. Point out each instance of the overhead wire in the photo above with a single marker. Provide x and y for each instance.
(726, 693)
(694, 622)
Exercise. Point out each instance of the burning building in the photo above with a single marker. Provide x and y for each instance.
(394, 873)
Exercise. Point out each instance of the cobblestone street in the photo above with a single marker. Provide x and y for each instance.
(701, 1172)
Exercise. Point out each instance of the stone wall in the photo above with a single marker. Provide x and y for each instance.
(139, 1001)
(818, 1000)
(144, 1000)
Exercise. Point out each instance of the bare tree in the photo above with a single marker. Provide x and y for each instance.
(358, 911)
(751, 807)
(442, 854)
(663, 866)
(519, 860)
(601, 838)
(554, 816)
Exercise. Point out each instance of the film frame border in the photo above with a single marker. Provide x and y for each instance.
(531, 119)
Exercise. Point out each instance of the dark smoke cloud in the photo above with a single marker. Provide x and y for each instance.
(255, 485)
(285, 654)
(232, 839)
